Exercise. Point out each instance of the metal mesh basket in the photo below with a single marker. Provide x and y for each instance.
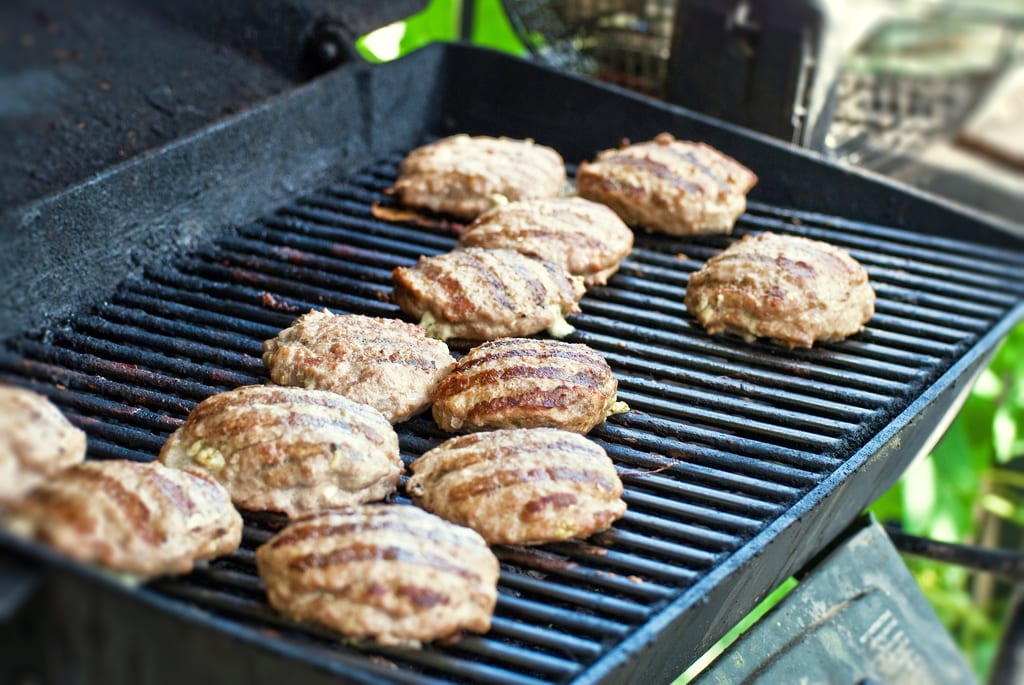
(626, 42)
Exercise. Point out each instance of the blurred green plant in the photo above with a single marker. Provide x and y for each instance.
(970, 489)
(440, 21)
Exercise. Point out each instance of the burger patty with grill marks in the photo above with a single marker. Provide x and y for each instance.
(36, 441)
(142, 519)
(385, 363)
(587, 238)
(527, 383)
(669, 186)
(474, 294)
(465, 176)
(790, 289)
(288, 449)
(394, 573)
(520, 486)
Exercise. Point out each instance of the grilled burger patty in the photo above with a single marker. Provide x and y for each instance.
(520, 486)
(288, 449)
(36, 441)
(526, 383)
(791, 289)
(585, 237)
(669, 186)
(466, 175)
(385, 363)
(141, 519)
(475, 294)
(394, 573)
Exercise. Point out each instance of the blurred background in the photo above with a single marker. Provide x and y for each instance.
(930, 94)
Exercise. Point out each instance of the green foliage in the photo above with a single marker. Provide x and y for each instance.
(961, 492)
(440, 21)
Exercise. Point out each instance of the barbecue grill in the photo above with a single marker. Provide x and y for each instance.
(133, 295)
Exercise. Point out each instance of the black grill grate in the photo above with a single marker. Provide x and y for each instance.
(723, 438)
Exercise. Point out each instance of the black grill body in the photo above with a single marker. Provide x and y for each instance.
(742, 462)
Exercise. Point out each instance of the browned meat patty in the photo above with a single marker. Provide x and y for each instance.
(385, 363)
(791, 289)
(526, 383)
(669, 186)
(522, 486)
(141, 519)
(465, 176)
(585, 237)
(475, 294)
(36, 441)
(394, 573)
(288, 449)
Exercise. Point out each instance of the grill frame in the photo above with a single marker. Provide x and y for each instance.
(707, 608)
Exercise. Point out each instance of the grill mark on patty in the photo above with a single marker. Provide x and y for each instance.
(515, 348)
(456, 383)
(378, 523)
(557, 398)
(493, 481)
(537, 288)
(490, 275)
(501, 447)
(421, 596)
(660, 170)
(175, 494)
(221, 431)
(392, 350)
(691, 155)
(358, 552)
(557, 500)
(135, 512)
(253, 398)
(460, 450)
(429, 273)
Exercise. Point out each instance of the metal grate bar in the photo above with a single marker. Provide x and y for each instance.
(542, 612)
(709, 354)
(596, 602)
(171, 305)
(703, 455)
(724, 500)
(671, 403)
(648, 463)
(177, 345)
(544, 560)
(920, 250)
(116, 370)
(212, 340)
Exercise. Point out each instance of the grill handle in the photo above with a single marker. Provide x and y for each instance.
(19, 580)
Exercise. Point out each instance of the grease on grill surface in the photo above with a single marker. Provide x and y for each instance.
(463, 175)
(527, 383)
(669, 186)
(586, 238)
(385, 363)
(135, 518)
(474, 294)
(289, 449)
(790, 289)
(394, 573)
(520, 486)
(36, 441)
